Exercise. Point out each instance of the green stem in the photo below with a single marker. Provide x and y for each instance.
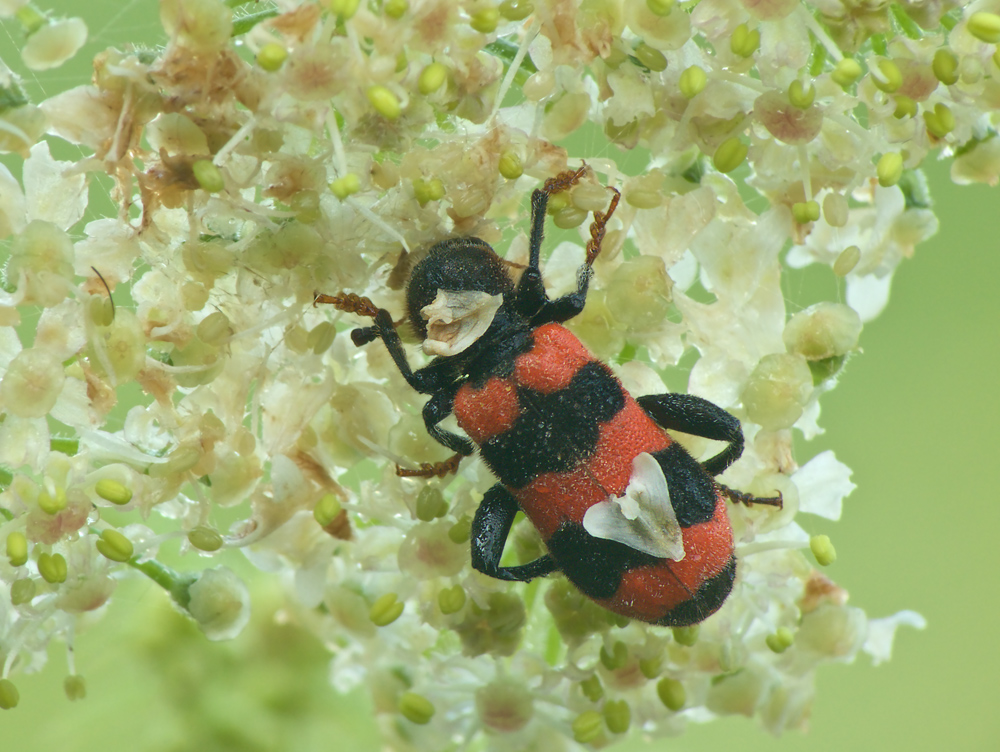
(506, 51)
(243, 24)
(175, 583)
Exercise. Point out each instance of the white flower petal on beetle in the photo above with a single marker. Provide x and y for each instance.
(457, 318)
(643, 518)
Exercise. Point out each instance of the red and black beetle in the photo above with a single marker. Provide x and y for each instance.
(633, 520)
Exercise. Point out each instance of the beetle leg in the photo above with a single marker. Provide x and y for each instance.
(570, 304)
(490, 528)
(426, 380)
(432, 470)
(697, 416)
(436, 409)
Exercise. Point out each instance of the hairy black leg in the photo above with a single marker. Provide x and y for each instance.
(571, 304)
(697, 416)
(439, 407)
(531, 296)
(427, 380)
(490, 528)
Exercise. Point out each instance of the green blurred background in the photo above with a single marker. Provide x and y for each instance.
(914, 417)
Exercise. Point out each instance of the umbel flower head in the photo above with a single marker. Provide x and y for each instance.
(325, 146)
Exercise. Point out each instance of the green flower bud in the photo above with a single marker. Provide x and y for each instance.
(326, 509)
(385, 610)
(461, 531)
(510, 165)
(113, 491)
(805, 212)
(846, 72)
(385, 102)
(651, 667)
(847, 260)
(395, 8)
(692, 81)
(801, 95)
(744, 41)
(321, 337)
(616, 658)
(22, 591)
(588, 727)
(430, 504)
(941, 122)
(618, 716)
(272, 56)
(344, 9)
(886, 76)
(781, 640)
(52, 568)
(687, 636)
(451, 600)
(428, 190)
(591, 688)
(671, 693)
(100, 310)
(208, 176)
(729, 155)
(945, 66)
(52, 501)
(17, 548)
(75, 688)
(9, 696)
(984, 26)
(205, 538)
(214, 329)
(905, 107)
(432, 78)
(823, 550)
(416, 708)
(889, 169)
(569, 217)
(345, 185)
(650, 57)
(643, 199)
(115, 546)
(485, 20)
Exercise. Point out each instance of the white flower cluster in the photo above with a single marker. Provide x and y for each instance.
(353, 137)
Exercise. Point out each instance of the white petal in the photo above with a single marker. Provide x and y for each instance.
(882, 632)
(823, 482)
(644, 518)
(457, 318)
(53, 195)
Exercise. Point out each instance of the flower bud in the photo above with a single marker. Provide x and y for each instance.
(272, 56)
(416, 708)
(32, 383)
(220, 603)
(777, 390)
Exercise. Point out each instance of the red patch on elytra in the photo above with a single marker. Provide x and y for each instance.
(649, 593)
(554, 360)
(488, 411)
